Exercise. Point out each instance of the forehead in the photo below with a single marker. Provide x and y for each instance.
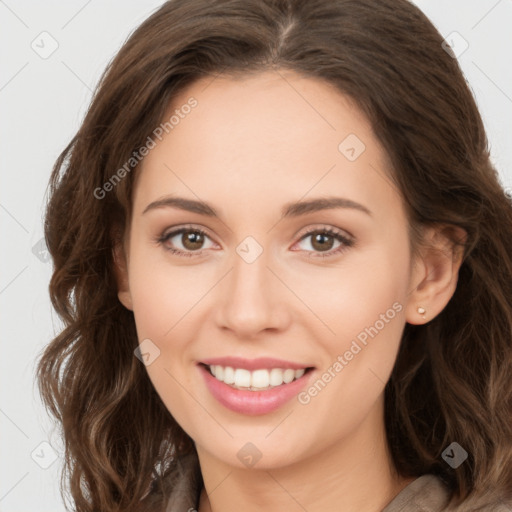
(273, 136)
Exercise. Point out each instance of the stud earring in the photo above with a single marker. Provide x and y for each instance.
(422, 311)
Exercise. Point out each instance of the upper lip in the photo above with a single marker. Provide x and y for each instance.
(253, 364)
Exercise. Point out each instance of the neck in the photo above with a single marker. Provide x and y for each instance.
(354, 475)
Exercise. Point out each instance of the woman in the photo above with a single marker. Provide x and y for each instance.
(282, 256)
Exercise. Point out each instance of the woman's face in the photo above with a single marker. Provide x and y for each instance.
(278, 287)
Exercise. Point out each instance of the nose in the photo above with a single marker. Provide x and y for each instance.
(251, 299)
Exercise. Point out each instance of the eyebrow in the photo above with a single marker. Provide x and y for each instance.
(293, 209)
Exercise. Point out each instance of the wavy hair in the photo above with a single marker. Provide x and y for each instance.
(452, 377)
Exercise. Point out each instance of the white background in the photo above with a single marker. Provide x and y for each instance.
(42, 102)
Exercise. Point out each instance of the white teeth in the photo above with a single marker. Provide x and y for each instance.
(300, 373)
(218, 371)
(260, 379)
(276, 377)
(256, 380)
(242, 378)
(288, 375)
(229, 375)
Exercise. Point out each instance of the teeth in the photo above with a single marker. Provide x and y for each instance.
(229, 375)
(276, 377)
(260, 379)
(288, 375)
(242, 378)
(256, 380)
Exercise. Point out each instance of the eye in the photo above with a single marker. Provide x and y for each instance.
(191, 240)
(323, 239)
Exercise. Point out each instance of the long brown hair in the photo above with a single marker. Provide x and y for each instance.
(452, 377)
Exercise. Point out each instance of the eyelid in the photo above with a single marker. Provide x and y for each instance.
(185, 227)
(347, 239)
(177, 230)
(324, 227)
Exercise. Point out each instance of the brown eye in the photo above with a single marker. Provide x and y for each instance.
(323, 241)
(184, 241)
(192, 240)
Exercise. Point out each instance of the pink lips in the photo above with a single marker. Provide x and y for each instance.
(252, 402)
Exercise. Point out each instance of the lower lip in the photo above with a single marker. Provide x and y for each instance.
(252, 402)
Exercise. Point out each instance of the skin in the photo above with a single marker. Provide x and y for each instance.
(250, 146)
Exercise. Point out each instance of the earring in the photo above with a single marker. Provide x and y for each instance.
(422, 311)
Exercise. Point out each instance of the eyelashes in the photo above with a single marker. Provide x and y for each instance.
(324, 232)
(167, 236)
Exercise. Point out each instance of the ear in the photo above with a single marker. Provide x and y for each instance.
(121, 273)
(435, 272)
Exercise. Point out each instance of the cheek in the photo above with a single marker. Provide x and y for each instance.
(368, 322)
(165, 301)
(360, 294)
(363, 304)
(163, 293)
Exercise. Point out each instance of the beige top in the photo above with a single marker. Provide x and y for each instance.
(427, 493)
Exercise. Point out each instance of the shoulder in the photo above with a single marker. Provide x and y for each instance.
(186, 484)
(182, 486)
(429, 493)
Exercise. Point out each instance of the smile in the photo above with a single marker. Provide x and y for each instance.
(254, 386)
(257, 380)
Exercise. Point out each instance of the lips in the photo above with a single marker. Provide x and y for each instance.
(253, 386)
